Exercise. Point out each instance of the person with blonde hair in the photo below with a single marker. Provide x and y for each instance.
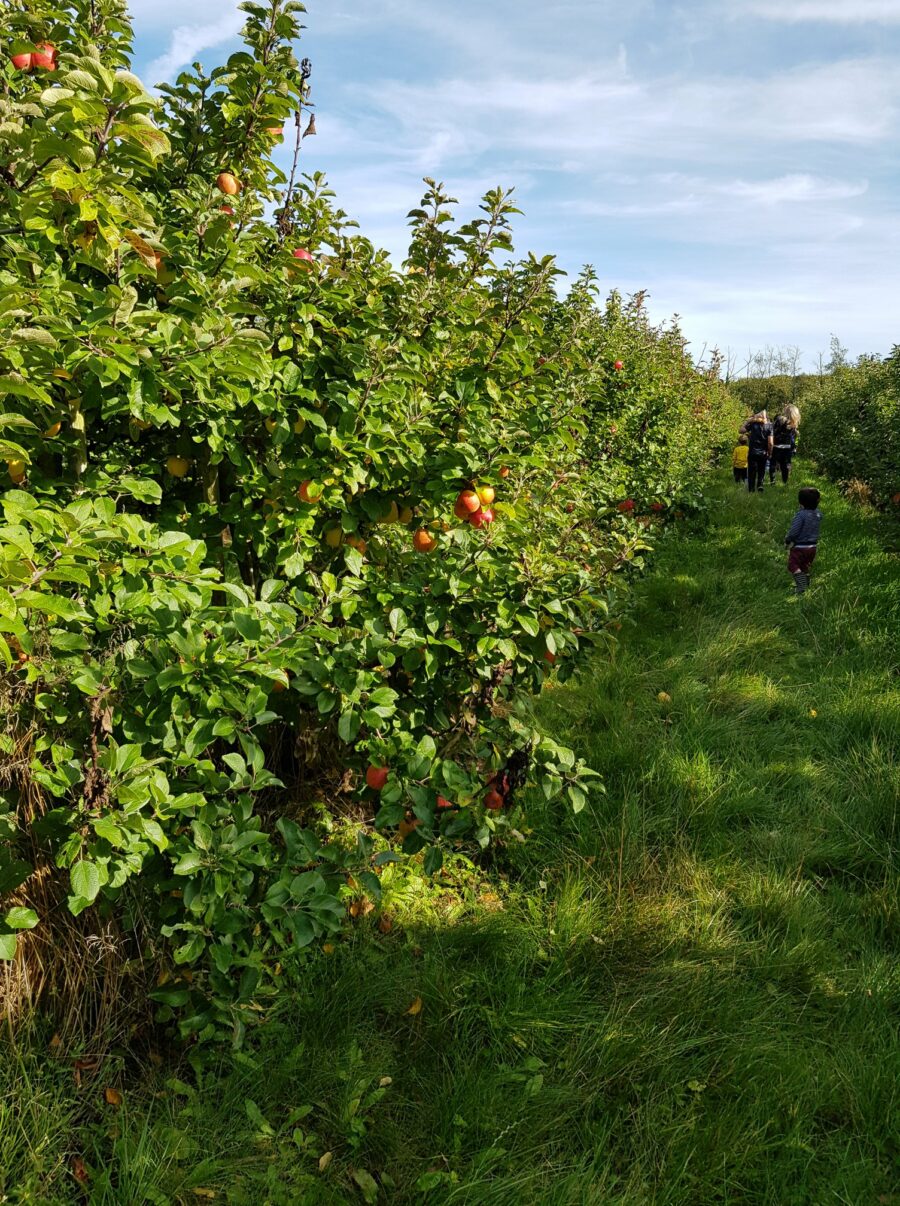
(759, 435)
(784, 443)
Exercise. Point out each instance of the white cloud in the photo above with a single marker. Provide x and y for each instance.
(791, 189)
(581, 117)
(189, 41)
(838, 12)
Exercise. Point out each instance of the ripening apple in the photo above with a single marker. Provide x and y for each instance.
(52, 430)
(357, 542)
(493, 800)
(377, 776)
(443, 802)
(299, 426)
(486, 495)
(278, 686)
(177, 466)
(482, 518)
(504, 472)
(21, 62)
(424, 542)
(309, 492)
(226, 209)
(467, 503)
(228, 184)
(549, 657)
(275, 131)
(334, 537)
(300, 253)
(44, 56)
(657, 506)
(619, 365)
(406, 514)
(271, 424)
(391, 515)
(16, 470)
(626, 506)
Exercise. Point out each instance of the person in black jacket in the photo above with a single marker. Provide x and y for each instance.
(759, 433)
(784, 434)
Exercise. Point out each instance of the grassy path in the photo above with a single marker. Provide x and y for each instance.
(688, 994)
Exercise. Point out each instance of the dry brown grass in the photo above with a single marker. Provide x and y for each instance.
(84, 973)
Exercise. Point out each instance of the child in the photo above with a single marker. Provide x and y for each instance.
(739, 459)
(803, 537)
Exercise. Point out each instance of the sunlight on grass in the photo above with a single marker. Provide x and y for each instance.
(685, 994)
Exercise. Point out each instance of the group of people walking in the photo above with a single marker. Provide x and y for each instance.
(765, 448)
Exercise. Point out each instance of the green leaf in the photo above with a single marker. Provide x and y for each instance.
(349, 726)
(434, 860)
(367, 1184)
(188, 863)
(21, 918)
(85, 880)
(8, 944)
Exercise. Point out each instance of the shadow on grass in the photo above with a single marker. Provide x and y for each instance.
(686, 994)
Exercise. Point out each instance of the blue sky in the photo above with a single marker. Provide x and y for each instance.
(736, 158)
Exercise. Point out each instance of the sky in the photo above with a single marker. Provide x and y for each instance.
(735, 158)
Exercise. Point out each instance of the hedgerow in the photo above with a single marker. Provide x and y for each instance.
(852, 424)
(268, 491)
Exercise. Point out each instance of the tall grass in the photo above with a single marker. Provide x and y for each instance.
(686, 994)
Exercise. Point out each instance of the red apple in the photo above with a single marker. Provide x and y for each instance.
(226, 209)
(482, 519)
(309, 492)
(44, 56)
(657, 506)
(467, 503)
(504, 472)
(626, 506)
(493, 800)
(376, 777)
(443, 802)
(619, 365)
(228, 184)
(550, 657)
(424, 542)
(300, 253)
(21, 62)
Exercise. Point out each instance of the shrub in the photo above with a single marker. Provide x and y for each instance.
(852, 424)
(230, 521)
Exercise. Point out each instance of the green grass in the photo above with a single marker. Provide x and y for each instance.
(688, 994)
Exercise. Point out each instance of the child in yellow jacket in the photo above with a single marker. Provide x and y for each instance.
(739, 460)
